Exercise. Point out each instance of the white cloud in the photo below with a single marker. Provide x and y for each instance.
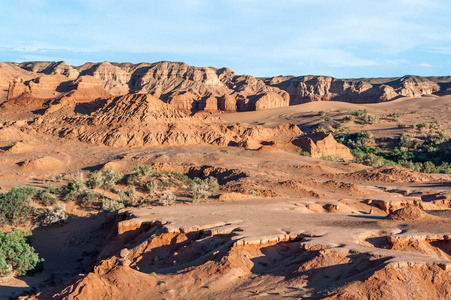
(426, 65)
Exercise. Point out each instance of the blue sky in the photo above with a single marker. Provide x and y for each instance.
(345, 38)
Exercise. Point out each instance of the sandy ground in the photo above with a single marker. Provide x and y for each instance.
(428, 109)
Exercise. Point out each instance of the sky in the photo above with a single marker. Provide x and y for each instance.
(340, 38)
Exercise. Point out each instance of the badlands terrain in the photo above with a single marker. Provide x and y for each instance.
(168, 181)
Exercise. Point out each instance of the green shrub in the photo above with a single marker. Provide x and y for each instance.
(167, 198)
(131, 192)
(15, 205)
(305, 153)
(89, 197)
(360, 138)
(349, 118)
(445, 167)
(429, 167)
(152, 186)
(183, 178)
(56, 215)
(52, 190)
(143, 170)
(370, 119)
(202, 189)
(139, 172)
(16, 255)
(359, 113)
(109, 205)
(369, 160)
(46, 198)
(111, 177)
(322, 113)
(96, 180)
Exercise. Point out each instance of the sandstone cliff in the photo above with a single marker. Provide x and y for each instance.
(322, 88)
(321, 145)
(205, 89)
(137, 120)
(187, 88)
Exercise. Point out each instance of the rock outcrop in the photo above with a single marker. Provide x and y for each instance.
(321, 145)
(137, 120)
(200, 89)
(187, 88)
(322, 88)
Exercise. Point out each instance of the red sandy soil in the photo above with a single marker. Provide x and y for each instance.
(284, 225)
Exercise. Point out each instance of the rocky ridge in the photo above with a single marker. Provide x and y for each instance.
(137, 120)
(363, 90)
(187, 88)
(205, 89)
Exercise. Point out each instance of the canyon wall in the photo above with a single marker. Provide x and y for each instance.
(198, 89)
(363, 90)
(187, 88)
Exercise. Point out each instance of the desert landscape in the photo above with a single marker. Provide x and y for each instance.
(171, 181)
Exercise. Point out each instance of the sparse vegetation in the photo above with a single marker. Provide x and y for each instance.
(305, 153)
(109, 205)
(349, 118)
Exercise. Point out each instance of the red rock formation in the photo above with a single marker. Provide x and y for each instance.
(321, 145)
(192, 89)
(322, 88)
(187, 88)
(136, 120)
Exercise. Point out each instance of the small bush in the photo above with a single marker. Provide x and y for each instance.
(131, 192)
(167, 198)
(358, 113)
(123, 197)
(183, 178)
(370, 119)
(429, 167)
(89, 197)
(361, 138)
(349, 118)
(111, 177)
(109, 205)
(139, 172)
(15, 206)
(322, 113)
(77, 184)
(305, 153)
(199, 191)
(152, 186)
(57, 215)
(202, 189)
(17, 256)
(46, 198)
(96, 180)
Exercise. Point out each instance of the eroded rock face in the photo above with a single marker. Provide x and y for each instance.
(193, 89)
(322, 145)
(187, 88)
(51, 68)
(137, 120)
(148, 252)
(322, 88)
